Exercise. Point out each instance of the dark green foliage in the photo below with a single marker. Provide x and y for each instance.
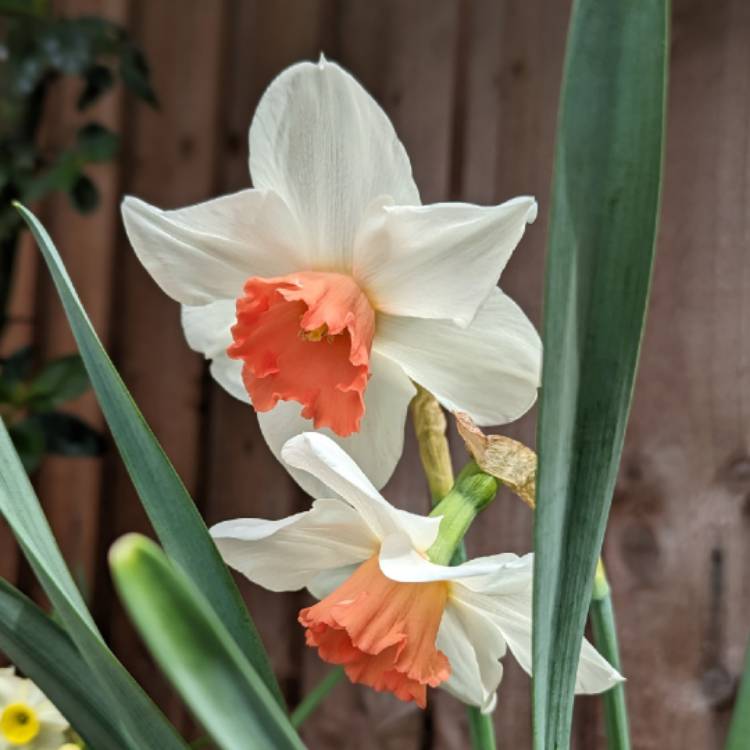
(39, 49)
(29, 406)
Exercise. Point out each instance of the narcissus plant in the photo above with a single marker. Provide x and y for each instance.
(323, 292)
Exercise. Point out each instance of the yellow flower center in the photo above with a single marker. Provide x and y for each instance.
(19, 724)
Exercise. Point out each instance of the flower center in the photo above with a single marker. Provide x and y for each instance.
(306, 337)
(19, 724)
(382, 631)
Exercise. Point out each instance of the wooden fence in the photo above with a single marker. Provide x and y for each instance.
(472, 87)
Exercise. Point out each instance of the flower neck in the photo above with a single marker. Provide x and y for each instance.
(471, 493)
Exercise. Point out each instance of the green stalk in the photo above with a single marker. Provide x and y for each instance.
(481, 729)
(316, 696)
(605, 639)
(433, 448)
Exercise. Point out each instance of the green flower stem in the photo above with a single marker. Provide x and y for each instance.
(471, 493)
(316, 696)
(605, 640)
(481, 729)
(459, 505)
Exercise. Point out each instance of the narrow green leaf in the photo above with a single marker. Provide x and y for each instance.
(739, 730)
(170, 508)
(42, 650)
(138, 719)
(196, 652)
(601, 240)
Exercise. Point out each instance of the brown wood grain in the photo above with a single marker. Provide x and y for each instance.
(472, 87)
(70, 489)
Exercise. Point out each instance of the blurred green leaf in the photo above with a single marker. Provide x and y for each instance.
(138, 719)
(67, 435)
(98, 79)
(96, 143)
(61, 175)
(18, 365)
(60, 380)
(28, 440)
(42, 650)
(196, 652)
(601, 241)
(84, 194)
(135, 74)
(36, 8)
(170, 508)
(739, 729)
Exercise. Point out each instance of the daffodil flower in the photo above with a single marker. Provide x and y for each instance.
(27, 718)
(322, 293)
(396, 621)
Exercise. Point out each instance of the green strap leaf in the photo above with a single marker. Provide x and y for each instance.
(603, 226)
(139, 720)
(196, 652)
(170, 508)
(739, 729)
(42, 650)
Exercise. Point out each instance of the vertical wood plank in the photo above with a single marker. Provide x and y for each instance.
(171, 161)
(70, 488)
(19, 332)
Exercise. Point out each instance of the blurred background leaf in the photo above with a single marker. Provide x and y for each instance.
(39, 48)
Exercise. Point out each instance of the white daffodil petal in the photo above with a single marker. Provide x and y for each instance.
(401, 561)
(206, 252)
(330, 464)
(511, 614)
(207, 330)
(323, 143)
(378, 445)
(595, 674)
(438, 261)
(327, 581)
(227, 372)
(490, 370)
(288, 554)
(474, 647)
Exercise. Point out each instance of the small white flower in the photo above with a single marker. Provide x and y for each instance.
(329, 285)
(27, 718)
(395, 620)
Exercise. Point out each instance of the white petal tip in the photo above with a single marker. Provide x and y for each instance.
(322, 61)
(533, 212)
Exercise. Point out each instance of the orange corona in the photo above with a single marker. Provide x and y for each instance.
(382, 631)
(306, 337)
